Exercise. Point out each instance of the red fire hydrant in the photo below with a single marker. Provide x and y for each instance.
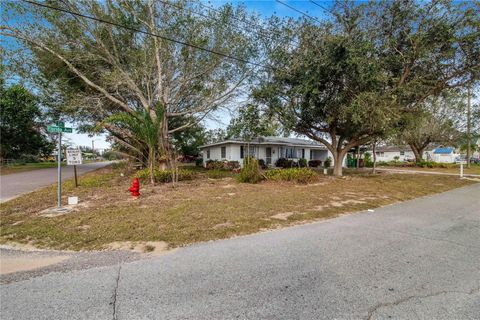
(135, 188)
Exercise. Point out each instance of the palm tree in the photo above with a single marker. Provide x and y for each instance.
(143, 135)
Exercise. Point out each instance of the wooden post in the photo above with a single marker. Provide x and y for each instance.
(75, 174)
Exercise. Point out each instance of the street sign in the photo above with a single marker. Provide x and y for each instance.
(59, 129)
(60, 124)
(74, 157)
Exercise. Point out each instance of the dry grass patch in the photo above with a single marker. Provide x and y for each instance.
(198, 210)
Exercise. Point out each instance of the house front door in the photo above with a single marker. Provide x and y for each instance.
(268, 155)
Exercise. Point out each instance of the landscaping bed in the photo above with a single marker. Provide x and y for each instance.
(198, 209)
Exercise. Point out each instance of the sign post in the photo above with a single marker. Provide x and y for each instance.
(74, 157)
(59, 128)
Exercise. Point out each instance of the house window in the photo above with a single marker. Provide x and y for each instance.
(224, 152)
(303, 153)
(208, 153)
(251, 153)
(402, 153)
(380, 154)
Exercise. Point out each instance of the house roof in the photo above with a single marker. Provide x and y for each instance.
(292, 142)
(443, 150)
(397, 148)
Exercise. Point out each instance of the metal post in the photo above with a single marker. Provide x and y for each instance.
(59, 159)
(75, 173)
(461, 169)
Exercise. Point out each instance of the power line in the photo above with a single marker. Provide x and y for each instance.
(247, 23)
(321, 7)
(299, 11)
(151, 34)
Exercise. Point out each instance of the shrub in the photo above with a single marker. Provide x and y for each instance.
(396, 158)
(302, 162)
(250, 173)
(217, 174)
(428, 164)
(285, 163)
(368, 160)
(327, 162)
(214, 164)
(314, 163)
(199, 162)
(165, 175)
(262, 164)
(231, 165)
(299, 175)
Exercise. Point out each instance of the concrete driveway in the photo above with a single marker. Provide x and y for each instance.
(414, 260)
(15, 184)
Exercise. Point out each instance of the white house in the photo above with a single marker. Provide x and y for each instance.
(404, 153)
(269, 149)
(445, 155)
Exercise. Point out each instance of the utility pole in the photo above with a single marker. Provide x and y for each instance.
(469, 134)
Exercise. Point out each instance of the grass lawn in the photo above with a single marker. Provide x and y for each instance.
(16, 168)
(474, 169)
(198, 210)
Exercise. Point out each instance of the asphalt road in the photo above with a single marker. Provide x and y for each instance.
(415, 260)
(15, 184)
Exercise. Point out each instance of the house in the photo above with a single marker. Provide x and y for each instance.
(269, 149)
(445, 155)
(398, 153)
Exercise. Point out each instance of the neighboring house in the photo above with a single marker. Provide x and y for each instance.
(269, 149)
(445, 155)
(404, 153)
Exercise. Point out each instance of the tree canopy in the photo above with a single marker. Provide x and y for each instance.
(21, 130)
(148, 59)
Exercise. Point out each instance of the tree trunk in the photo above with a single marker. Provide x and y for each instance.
(358, 157)
(151, 164)
(164, 144)
(417, 152)
(338, 157)
(374, 155)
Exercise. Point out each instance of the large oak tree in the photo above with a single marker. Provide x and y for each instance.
(94, 69)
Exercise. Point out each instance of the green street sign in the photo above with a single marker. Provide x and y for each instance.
(60, 124)
(59, 129)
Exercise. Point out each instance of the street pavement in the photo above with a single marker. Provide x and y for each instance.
(15, 184)
(414, 260)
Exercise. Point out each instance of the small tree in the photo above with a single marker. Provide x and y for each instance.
(143, 136)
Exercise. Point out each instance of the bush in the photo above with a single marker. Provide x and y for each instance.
(231, 165)
(217, 174)
(299, 175)
(214, 164)
(262, 164)
(327, 162)
(314, 163)
(222, 165)
(302, 162)
(427, 164)
(162, 176)
(285, 163)
(250, 173)
(199, 162)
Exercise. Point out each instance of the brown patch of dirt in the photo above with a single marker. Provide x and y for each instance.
(17, 264)
(283, 215)
(152, 247)
(222, 225)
